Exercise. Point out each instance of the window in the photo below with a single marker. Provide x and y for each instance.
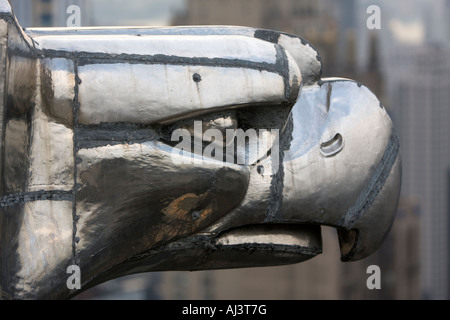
(46, 20)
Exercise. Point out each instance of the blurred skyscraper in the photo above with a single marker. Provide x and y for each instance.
(49, 13)
(414, 61)
(419, 83)
(311, 19)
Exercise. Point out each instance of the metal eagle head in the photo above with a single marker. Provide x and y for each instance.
(127, 150)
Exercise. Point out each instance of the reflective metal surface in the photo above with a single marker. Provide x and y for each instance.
(92, 176)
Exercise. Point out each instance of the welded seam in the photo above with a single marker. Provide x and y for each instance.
(24, 197)
(273, 212)
(76, 107)
(253, 247)
(3, 117)
(376, 183)
(94, 136)
(91, 58)
(9, 18)
(87, 58)
(283, 68)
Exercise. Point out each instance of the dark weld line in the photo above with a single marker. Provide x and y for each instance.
(9, 18)
(376, 183)
(273, 212)
(92, 58)
(92, 136)
(75, 110)
(43, 195)
(88, 58)
(283, 67)
(3, 115)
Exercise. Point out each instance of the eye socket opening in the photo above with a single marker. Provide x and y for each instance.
(333, 146)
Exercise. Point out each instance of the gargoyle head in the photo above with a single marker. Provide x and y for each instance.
(187, 148)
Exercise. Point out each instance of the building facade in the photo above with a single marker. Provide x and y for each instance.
(414, 42)
(422, 98)
(50, 13)
(309, 19)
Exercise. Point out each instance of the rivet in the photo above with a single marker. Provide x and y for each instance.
(196, 77)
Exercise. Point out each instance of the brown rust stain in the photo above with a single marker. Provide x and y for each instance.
(184, 215)
(182, 207)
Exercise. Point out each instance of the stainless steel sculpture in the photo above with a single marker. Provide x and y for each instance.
(92, 176)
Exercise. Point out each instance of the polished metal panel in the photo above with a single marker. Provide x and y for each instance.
(121, 152)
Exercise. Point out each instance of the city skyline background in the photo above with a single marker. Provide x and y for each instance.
(406, 64)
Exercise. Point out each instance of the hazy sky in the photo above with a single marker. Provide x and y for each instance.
(134, 12)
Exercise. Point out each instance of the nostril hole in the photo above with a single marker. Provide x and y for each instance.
(196, 77)
(333, 146)
(260, 170)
